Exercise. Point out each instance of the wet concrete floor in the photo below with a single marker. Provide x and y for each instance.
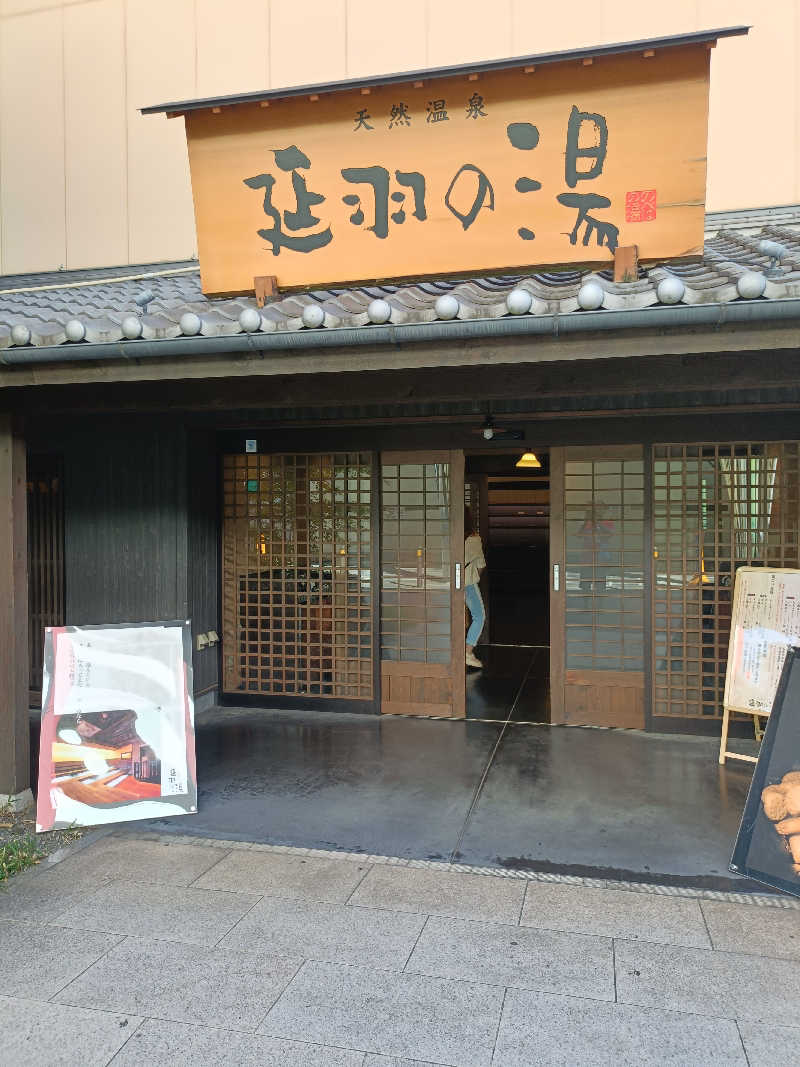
(601, 803)
(494, 790)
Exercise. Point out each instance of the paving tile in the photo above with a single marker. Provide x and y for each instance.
(403, 1015)
(128, 859)
(334, 933)
(574, 964)
(767, 1046)
(374, 1060)
(282, 875)
(462, 896)
(762, 931)
(171, 1044)
(615, 913)
(172, 913)
(184, 983)
(728, 984)
(58, 1036)
(538, 1028)
(39, 895)
(36, 961)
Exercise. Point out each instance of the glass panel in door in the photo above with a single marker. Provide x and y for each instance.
(422, 611)
(598, 597)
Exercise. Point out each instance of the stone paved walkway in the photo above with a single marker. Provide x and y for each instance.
(140, 949)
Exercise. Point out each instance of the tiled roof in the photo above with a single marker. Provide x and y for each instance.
(751, 221)
(80, 307)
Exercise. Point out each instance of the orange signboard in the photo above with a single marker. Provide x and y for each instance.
(505, 170)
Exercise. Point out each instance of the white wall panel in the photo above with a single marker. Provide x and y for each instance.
(86, 180)
(95, 128)
(32, 142)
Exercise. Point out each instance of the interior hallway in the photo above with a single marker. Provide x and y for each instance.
(514, 684)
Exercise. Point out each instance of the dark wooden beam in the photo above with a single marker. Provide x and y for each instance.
(14, 728)
(478, 384)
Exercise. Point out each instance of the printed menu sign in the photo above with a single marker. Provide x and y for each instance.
(117, 736)
(766, 622)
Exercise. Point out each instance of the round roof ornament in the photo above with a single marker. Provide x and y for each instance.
(751, 285)
(379, 312)
(190, 324)
(518, 302)
(75, 330)
(20, 334)
(313, 316)
(446, 307)
(670, 290)
(131, 327)
(250, 320)
(590, 296)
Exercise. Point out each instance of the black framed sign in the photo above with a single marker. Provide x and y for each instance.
(768, 843)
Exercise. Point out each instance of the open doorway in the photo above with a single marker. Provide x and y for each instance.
(511, 510)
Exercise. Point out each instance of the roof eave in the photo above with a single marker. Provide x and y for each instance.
(709, 316)
(620, 48)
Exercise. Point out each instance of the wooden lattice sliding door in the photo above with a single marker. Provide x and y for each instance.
(297, 601)
(422, 596)
(597, 585)
(716, 507)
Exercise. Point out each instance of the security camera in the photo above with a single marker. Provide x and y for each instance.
(144, 298)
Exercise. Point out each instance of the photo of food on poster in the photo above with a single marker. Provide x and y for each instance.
(768, 844)
(117, 734)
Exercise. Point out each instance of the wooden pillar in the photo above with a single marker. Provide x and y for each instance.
(14, 726)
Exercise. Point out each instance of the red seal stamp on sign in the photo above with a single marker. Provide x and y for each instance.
(640, 205)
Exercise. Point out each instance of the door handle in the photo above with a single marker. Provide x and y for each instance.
(458, 575)
(556, 577)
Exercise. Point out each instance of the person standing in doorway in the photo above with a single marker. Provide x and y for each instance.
(474, 564)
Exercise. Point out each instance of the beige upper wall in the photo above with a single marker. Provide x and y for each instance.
(86, 181)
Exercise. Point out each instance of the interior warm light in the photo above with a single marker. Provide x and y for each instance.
(528, 459)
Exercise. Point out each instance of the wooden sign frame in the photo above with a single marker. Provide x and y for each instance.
(552, 166)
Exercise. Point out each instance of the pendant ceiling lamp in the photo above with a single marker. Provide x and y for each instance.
(528, 459)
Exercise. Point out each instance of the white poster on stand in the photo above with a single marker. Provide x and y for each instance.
(117, 734)
(765, 623)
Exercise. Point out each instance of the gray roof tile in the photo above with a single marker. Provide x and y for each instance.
(102, 298)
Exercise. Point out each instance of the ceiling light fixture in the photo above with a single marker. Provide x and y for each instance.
(528, 459)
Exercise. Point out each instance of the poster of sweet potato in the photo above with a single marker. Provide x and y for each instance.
(768, 843)
(117, 734)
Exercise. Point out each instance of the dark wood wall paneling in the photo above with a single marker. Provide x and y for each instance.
(141, 540)
(125, 529)
(203, 539)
